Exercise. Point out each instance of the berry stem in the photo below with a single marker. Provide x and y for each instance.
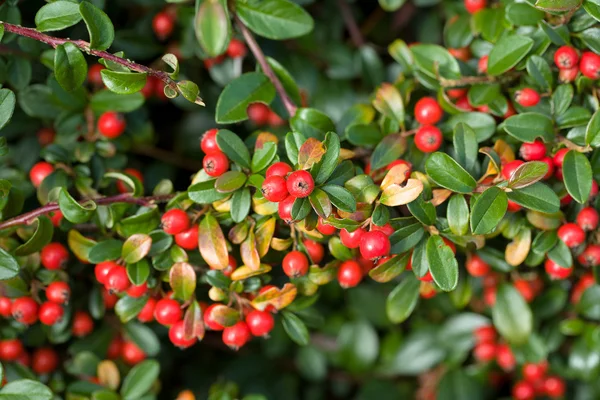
(264, 65)
(120, 198)
(86, 47)
(351, 25)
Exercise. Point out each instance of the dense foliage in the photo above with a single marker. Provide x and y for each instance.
(299, 199)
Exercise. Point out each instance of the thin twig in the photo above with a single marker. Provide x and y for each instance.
(260, 57)
(168, 157)
(86, 47)
(351, 25)
(28, 217)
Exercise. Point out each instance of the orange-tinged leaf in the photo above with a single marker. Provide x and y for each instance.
(363, 211)
(388, 101)
(440, 196)
(346, 154)
(396, 195)
(244, 272)
(136, 247)
(239, 232)
(263, 138)
(517, 250)
(225, 316)
(80, 245)
(108, 374)
(506, 154)
(263, 206)
(183, 280)
(212, 244)
(279, 244)
(193, 324)
(397, 175)
(249, 252)
(278, 298)
(310, 153)
(264, 235)
(323, 275)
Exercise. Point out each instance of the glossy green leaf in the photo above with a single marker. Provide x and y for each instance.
(262, 157)
(458, 215)
(127, 308)
(434, 60)
(182, 278)
(9, 268)
(74, 211)
(527, 174)
(527, 127)
(465, 146)
(388, 150)
(483, 124)
(390, 269)
(540, 71)
(213, 27)
(22, 389)
(251, 87)
(577, 173)
(105, 100)
(295, 328)
(447, 173)
(274, 19)
(538, 197)
(106, 250)
(233, 147)
(442, 263)
(7, 106)
(143, 336)
(312, 123)
(230, 181)
(70, 68)
(99, 25)
(140, 380)
(488, 210)
(320, 203)
(512, 315)
(205, 193)
(403, 299)
(123, 82)
(240, 204)
(136, 247)
(57, 15)
(40, 238)
(592, 131)
(507, 52)
(340, 197)
(324, 168)
(557, 5)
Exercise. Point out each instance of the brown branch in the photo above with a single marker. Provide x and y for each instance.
(28, 217)
(168, 157)
(86, 47)
(351, 25)
(260, 57)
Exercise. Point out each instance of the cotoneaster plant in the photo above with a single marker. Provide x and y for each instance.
(409, 213)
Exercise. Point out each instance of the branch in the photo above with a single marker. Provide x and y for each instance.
(351, 24)
(120, 198)
(85, 47)
(260, 57)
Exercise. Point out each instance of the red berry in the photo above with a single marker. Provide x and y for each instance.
(56, 217)
(25, 310)
(555, 271)
(450, 244)
(147, 312)
(374, 244)
(588, 218)
(208, 144)
(349, 274)
(102, 269)
(209, 319)
(566, 200)
(278, 169)
(58, 292)
(114, 348)
(54, 256)
(482, 65)
(463, 104)
(148, 89)
(489, 295)
(230, 267)
(461, 53)
(527, 97)
(39, 172)
(215, 164)
(44, 361)
(111, 125)
(505, 357)
(177, 336)
(284, 209)
(162, 25)
(428, 111)
(136, 291)
(315, 250)
(473, 6)
(485, 334)
(10, 349)
(554, 387)
(236, 49)
(237, 335)
(260, 323)
(523, 390)
(559, 157)
(456, 93)
(5, 307)
(566, 57)
(571, 234)
(590, 65)
(476, 266)
(50, 313)
(533, 372)
(590, 257)
(351, 239)
(117, 280)
(188, 239)
(94, 74)
(83, 324)
(300, 184)
(509, 168)
(295, 264)
(428, 139)
(325, 228)
(594, 190)
(274, 188)
(427, 277)
(175, 221)
(124, 188)
(525, 289)
(387, 229)
(167, 311)
(485, 352)
(533, 151)
(568, 75)
(132, 354)
(550, 163)
(275, 120)
(45, 136)
(109, 299)
(258, 113)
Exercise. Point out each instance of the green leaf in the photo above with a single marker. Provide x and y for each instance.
(512, 315)
(25, 389)
(483, 94)
(293, 142)
(557, 5)
(391, 5)
(251, 87)
(106, 250)
(367, 135)
(105, 100)
(465, 146)
(127, 308)
(490, 22)
(74, 211)
(523, 14)
(527, 174)
(143, 336)
(324, 168)
(561, 254)
(136, 247)
(358, 343)
(388, 101)
(99, 25)
(40, 238)
(295, 328)
(190, 91)
(312, 123)
(488, 210)
(320, 203)
(528, 126)
(123, 82)
(233, 147)
(432, 60)
(442, 263)
(340, 197)
(507, 52)
(593, 8)
(483, 124)
(263, 156)
(540, 71)
(9, 267)
(57, 15)
(301, 208)
(388, 150)
(403, 299)
(140, 380)
(274, 19)
(447, 173)
(577, 173)
(205, 193)
(458, 384)
(213, 27)
(390, 269)
(422, 210)
(70, 68)
(538, 197)
(182, 278)
(458, 215)
(7, 106)
(240, 204)
(592, 131)
(562, 98)
(230, 181)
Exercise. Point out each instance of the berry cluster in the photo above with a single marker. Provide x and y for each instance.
(215, 162)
